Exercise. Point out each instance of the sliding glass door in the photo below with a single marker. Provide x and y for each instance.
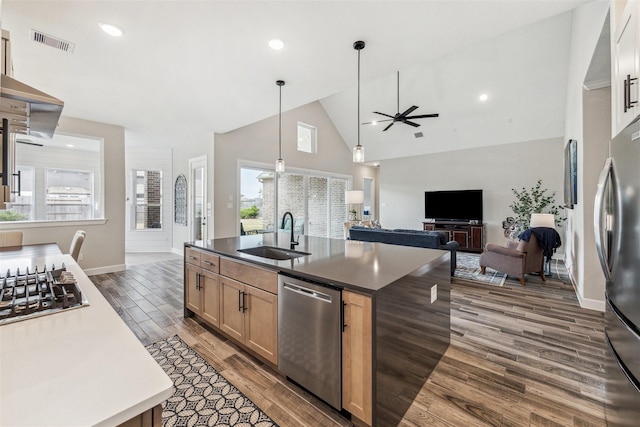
(316, 202)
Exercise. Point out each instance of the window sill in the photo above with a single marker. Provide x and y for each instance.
(12, 225)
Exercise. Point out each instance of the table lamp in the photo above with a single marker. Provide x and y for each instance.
(354, 197)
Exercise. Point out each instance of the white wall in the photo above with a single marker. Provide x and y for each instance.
(259, 143)
(151, 240)
(103, 249)
(581, 258)
(495, 170)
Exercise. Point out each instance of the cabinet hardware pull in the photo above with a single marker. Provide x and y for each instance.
(344, 325)
(628, 103)
(244, 302)
(198, 281)
(192, 257)
(208, 262)
(19, 175)
(239, 301)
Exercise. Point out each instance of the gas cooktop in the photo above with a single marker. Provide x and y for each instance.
(25, 295)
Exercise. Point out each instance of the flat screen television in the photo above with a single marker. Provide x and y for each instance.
(455, 205)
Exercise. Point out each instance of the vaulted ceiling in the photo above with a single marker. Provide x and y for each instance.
(186, 69)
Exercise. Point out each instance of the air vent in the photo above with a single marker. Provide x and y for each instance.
(55, 42)
(418, 135)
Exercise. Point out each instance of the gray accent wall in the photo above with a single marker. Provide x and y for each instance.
(495, 170)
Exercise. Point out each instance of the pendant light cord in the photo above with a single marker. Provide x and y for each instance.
(359, 97)
(280, 125)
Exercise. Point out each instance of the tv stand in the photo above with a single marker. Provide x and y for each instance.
(470, 237)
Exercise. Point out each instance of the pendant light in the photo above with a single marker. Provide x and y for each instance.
(358, 150)
(280, 162)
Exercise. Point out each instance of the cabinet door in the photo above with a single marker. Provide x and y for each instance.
(477, 238)
(462, 237)
(191, 289)
(261, 323)
(625, 63)
(357, 356)
(231, 314)
(210, 294)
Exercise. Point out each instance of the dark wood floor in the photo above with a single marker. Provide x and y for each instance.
(519, 356)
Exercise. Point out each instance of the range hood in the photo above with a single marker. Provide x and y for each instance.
(29, 110)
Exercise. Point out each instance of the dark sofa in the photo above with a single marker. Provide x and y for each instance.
(417, 238)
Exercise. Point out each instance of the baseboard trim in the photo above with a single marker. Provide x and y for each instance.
(591, 304)
(588, 303)
(178, 251)
(106, 269)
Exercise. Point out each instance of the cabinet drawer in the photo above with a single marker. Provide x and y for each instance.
(266, 280)
(210, 262)
(192, 256)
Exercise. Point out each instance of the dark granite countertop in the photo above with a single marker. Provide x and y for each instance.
(361, 266)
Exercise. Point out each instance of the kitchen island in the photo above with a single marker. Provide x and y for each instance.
(396, 319)
(76, 367)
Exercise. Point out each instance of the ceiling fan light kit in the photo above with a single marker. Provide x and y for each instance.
(358, 150)
(280, 161)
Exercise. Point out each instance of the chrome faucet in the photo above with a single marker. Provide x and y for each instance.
(284, 217)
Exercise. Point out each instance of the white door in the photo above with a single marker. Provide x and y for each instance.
(199, 209)
(149, 201)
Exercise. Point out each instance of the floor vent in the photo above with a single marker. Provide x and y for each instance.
(418, 135)
(55, 42)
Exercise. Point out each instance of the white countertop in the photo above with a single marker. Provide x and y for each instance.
(78, 367)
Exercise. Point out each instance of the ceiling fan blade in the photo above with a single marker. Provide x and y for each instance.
(408, 111)
(415, 125)
(390, 124)
(382, 114)
(422, 116)
(376, 121)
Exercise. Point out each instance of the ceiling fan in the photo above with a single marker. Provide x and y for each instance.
(401, 117)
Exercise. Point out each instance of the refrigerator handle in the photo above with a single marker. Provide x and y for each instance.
(605, 176)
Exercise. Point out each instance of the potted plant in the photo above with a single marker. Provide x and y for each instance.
(354, 214)
(534, 200)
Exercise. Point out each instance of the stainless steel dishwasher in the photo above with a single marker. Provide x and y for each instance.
(310, 337)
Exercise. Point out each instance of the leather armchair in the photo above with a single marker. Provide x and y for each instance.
(516, 259)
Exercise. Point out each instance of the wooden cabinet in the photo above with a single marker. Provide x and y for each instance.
(470, 237)
(149, 418)
(250, 316)
(357, 356)
(201, 285)
(239, 299)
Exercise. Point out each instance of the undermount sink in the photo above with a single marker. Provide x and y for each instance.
(272, 252)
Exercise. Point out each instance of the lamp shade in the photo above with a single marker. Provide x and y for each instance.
(542, 220)
(353, 197)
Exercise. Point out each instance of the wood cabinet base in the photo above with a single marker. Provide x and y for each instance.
(150, 418)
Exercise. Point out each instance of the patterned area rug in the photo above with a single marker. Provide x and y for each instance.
(468, 268)
(202, 396)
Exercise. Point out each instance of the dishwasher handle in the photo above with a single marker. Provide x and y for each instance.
(307, 292)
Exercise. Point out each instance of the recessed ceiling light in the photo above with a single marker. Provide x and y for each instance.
(70, 145)
(112, 30)
(374, 123)
(276, 44)
(483, 97)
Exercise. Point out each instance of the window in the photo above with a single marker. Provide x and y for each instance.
(23, 209)
(307, 138)
(61, 179)
(316, 202)
(68, 194)
(257, 201)
(148, 199)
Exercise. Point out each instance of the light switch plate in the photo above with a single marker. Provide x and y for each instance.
(434, 293)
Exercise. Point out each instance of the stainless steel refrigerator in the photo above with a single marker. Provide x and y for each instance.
(617, 227)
